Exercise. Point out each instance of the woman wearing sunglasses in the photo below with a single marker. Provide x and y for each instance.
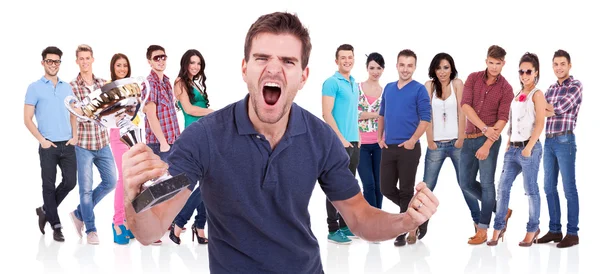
(192, 99)
(523, 150)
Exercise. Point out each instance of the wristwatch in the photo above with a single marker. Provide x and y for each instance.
(484, 129)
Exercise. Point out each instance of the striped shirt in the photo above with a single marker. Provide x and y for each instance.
(91, 136)
(566, 99)
(161, 94)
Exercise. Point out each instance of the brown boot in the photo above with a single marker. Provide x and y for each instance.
(550, 237)
(479, 238)
(568, 241)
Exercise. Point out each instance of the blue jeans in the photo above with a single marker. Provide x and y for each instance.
(194, 202)
(559, 155)
(485, 190)
(434, 159)
(368, 170)
(88, 197)
(514, 164)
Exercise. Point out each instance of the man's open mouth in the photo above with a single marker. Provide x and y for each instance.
(271, 92)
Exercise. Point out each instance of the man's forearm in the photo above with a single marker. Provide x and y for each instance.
(34, 131)
(499, 126)
(74, 126)
(331, 122)
(156, 129)
(376, 226)
(380, 127)
(423, 125)
(472, 116)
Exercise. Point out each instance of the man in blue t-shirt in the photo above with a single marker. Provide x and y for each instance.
(257, 162)
(340, 112)
(54, 131)
(405, 114)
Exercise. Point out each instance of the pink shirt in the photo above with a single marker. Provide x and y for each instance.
(368, 128)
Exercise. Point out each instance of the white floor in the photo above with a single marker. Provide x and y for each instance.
(443, 250)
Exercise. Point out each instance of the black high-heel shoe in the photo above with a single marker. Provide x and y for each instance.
(172, 236)
(201, 240)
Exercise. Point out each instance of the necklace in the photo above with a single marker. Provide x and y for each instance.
(444, 114)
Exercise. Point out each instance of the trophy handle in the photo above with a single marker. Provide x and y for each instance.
(70, 99)
(143, 103)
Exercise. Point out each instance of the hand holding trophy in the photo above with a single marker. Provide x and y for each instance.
(115, 105)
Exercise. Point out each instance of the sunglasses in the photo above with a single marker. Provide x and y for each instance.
(528, 72)
(50, 61)
(162, 57)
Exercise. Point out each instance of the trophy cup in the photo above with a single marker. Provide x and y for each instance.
(115, 105)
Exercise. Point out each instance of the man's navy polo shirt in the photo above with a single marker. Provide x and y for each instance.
(257, 198)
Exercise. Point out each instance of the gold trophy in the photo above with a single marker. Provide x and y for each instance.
(115, 105)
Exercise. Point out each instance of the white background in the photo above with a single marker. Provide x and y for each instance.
(464, 29)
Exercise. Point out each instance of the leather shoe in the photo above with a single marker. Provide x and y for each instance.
(550, 237)
(41, 219)
(479, 238)
(58, 235)
(568, 241)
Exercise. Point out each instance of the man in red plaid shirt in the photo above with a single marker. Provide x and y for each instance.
(162, 127)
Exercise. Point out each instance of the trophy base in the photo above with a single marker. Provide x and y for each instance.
(159, 192)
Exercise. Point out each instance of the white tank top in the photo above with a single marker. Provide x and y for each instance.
(522, 118)
(445, 116)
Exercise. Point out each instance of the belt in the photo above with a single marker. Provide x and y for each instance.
(550, 135)
(474, 135)
(519, 144)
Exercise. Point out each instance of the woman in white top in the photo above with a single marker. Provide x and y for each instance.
(523, 151)
(446, 133)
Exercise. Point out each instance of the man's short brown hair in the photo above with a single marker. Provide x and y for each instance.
(496, 52)
(280, 23)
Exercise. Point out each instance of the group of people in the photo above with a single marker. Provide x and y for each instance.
(256, 161)
(76, 145)
(380, 127)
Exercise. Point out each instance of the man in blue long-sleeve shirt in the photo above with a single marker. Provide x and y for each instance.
(405, 114)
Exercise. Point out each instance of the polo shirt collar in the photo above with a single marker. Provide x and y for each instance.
(46, 80)
(296, 124)
(341, 77)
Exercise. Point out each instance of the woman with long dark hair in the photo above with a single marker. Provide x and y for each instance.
(192, 99)
(120, 68)
(446, 133)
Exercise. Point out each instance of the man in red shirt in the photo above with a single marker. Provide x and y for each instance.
(162, 126)
(486, 103)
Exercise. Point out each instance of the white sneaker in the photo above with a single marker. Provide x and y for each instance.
(92, 238)
(78, 224)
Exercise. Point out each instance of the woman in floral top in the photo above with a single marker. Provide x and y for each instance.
(369, 101)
